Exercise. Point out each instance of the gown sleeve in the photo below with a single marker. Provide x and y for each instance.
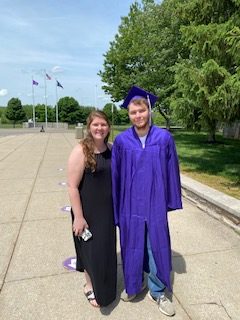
(173, 178)
(115, 181)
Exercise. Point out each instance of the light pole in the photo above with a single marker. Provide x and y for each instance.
(112, 119)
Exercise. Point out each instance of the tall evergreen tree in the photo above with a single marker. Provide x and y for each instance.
(207, 81)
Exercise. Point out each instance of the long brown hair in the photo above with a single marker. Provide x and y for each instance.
(88, 142)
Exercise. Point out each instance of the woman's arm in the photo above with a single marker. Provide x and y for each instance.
(75, 170)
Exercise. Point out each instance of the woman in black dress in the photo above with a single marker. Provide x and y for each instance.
(89, 188)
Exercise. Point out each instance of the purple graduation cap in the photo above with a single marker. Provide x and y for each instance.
(136, 92)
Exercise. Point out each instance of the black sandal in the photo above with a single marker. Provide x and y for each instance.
(90, 297)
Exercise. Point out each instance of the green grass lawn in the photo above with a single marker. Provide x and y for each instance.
(216, 165)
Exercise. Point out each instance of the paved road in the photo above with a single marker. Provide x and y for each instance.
(35, 239)
(21, 131)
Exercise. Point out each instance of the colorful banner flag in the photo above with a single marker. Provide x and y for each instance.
(35, 83)
(59, 84)
(48, 77)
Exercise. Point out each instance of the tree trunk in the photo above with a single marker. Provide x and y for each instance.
(166, 117)
(167, 123)
(211, 137)
(212, 126)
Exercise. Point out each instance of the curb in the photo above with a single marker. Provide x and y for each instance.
(215, 203)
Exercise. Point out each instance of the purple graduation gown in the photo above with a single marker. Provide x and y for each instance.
(146, 185)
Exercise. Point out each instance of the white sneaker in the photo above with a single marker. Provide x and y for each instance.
(127, 298)
(164, 304)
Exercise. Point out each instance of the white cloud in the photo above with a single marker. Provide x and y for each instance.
(3, 92)
(57, 69)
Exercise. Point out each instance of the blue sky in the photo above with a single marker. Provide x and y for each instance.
(66, 38)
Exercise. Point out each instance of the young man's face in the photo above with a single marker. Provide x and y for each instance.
(139, 115)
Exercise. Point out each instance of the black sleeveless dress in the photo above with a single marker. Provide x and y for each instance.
(98, 255)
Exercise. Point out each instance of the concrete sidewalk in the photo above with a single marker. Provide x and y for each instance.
(35, 239)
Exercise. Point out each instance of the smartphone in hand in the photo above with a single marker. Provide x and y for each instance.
(86, 235)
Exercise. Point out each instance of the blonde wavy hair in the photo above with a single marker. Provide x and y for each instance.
(88, 142)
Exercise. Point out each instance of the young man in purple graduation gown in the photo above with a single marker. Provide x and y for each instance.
(146, 185)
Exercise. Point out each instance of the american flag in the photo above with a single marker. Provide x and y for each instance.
(48, 77)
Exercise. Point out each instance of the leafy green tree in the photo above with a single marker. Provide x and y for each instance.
(40, 113)
(112, 116)
(207, 81)
(14, 111)
(186, 52)
(158, 119)
(51, 112)
(85, 111)
(123, 117)
(147, 45)
(69, 110)
(28, 108)
(121, 60)
(4, 120)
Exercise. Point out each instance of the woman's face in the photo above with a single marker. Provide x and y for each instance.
(99, 128)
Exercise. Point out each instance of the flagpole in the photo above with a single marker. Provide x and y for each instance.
(56, 105)
(95, 97)
(45, 82)
(34, 123)
(58, 84)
